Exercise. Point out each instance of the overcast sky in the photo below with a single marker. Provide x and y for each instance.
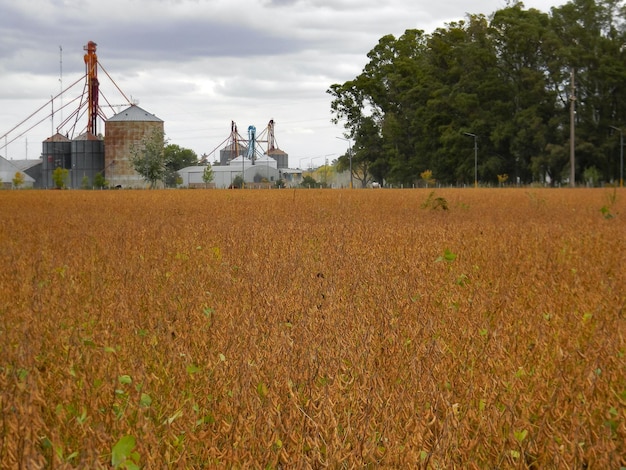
(200, 64)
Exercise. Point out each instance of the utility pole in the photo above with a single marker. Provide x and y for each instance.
(621, 155)
(469, 134)
(61, 80)
(572, 132)
(621, 159)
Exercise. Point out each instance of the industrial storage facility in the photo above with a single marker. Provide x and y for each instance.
(85, 156)
(264, 171)
(93, 157)
(90, 155)
(256, 159)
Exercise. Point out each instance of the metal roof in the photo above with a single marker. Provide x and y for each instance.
(58, 138)
(8, 170)
(87, 136)
(134, 114)
(24, 165)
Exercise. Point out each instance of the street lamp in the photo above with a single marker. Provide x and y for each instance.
(349, 157)
(314, 158)
(621, 156)
(325, 174)
(301, 160)
(469, 134)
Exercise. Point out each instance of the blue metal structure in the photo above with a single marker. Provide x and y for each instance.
(251, 143)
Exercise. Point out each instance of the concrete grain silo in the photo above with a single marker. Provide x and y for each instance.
(123, 131)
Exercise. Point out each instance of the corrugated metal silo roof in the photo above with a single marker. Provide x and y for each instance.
(87, 136)
(134, 114)
(57, 138)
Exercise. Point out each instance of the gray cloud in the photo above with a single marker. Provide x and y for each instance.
(198, 64)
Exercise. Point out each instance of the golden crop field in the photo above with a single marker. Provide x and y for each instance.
(460, 328)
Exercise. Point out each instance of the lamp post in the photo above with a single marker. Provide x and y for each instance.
(469, 134)
(325, 175)
(301, 160)
(349, 157)
(311, 172)
(621, 155)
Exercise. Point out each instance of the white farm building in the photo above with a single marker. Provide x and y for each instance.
(8, 170)
(264, 170)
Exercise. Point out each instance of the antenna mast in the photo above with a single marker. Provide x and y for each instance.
(61, 79)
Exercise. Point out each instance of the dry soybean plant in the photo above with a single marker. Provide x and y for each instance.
(312, 329)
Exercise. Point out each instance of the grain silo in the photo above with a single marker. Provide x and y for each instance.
(57, 153)
(281, 157)
(87, 160)
(232, 151)
(123, 131)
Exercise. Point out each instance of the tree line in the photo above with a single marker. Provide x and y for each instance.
(492, 96)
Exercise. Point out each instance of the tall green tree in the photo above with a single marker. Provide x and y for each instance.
(362, 158)
(373, 106)
(467, 98)
(177, 158)
(526, 49)
(593, 41)
(148, 158)
(504, 78)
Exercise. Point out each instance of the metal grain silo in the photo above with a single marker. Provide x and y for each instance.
(57, 153)
(87, 160)
(281, 157)
(123, 131)
(232, 151)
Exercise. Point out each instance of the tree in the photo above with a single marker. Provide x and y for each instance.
(308, 182)
(18, 180)
(207, 175)
(591, 176)
(505, 78)
(592, 44)
(99, 181)
(427, 177)
(177, 158)
(148, 158)
(527, 53)
(377, 106)
(59, 176)
(238, 182)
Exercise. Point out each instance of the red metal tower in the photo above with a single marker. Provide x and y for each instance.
(91, 63)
